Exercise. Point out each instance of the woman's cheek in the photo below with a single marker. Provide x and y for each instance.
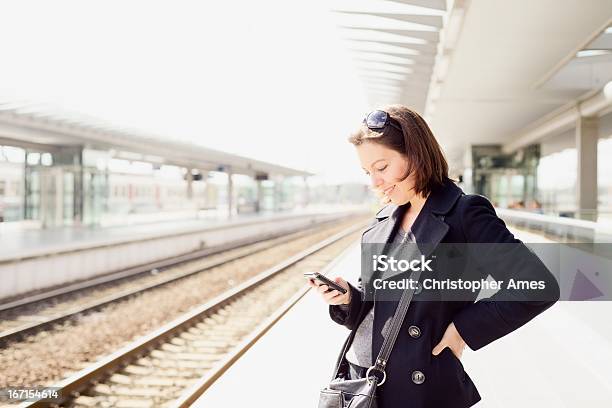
(399, 197)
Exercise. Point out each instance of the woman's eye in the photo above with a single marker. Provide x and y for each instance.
(367, 173)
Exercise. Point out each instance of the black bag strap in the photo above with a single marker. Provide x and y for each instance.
(392, 333)
(396, 324)
(345, 348)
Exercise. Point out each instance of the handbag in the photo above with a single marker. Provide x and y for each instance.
(361, 393)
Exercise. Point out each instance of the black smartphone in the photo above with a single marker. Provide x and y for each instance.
(321, 278)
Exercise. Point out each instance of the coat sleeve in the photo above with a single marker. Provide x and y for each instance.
(348, 315)
(488, 319)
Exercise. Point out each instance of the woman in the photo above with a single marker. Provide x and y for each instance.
(406, 165)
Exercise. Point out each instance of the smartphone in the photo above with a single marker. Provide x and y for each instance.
(321, 278)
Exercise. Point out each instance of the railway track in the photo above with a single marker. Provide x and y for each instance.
(24, 317)
(175, 364)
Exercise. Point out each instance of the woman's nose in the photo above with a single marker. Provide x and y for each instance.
(376, 181)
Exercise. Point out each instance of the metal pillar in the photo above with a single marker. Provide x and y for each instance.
(586, 177)
(259, 198)
(189, 179)
(259, 178)
(26, 188)
(306, 192)
(230, 193)
(207, 200)
(277, 193)
(79, 190)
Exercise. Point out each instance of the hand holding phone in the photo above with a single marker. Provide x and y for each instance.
(336, 292)
(325, 281)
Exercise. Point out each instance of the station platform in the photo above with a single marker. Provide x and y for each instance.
(24, 243)
(543, 364)
(39, 260)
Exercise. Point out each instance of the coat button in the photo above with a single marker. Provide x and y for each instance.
(418, 377)
(414, 332)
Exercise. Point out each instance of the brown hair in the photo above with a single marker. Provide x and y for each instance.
(416, 142)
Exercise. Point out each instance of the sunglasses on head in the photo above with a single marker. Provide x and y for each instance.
(378, 119)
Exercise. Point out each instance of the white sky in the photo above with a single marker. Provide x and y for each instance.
(266, 79)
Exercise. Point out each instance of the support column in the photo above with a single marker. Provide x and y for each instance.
(230, 193)
(26, 188)
(586, 177)
(306, 192)
(206, 202)
(79, 190)
(258, 203)
(189, 179)
(57, 178)
(259, 178)
(277, 193)
(70, 160)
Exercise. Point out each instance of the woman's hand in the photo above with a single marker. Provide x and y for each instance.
(333, 297)
(451, 339)
(382, 198)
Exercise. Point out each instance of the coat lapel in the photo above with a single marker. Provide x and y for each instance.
(392, 223)
(429, 230)
(429, 227)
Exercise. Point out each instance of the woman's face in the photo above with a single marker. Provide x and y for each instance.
(386, 167)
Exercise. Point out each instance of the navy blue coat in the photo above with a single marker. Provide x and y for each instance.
(448, 216)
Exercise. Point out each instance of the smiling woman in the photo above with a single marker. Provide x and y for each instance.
(406, 165)
(392, 157)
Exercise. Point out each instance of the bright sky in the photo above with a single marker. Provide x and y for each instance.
(267, 79)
